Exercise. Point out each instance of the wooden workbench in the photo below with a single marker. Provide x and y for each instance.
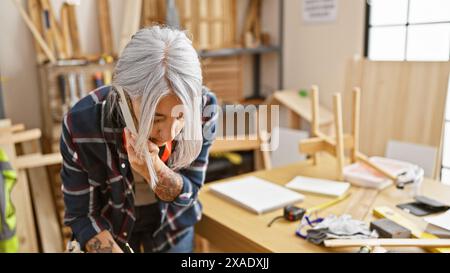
(230, 228)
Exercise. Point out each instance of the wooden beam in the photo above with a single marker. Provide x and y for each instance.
(223, 145)
(34, 10)
(340, 156)
(361, 203)
(132, 18)
(65, 30)
(21, 136)
(55, 30)
(12, 129)
(74, 35)
(37, 160)
(36, 34)
(267, 162)
(315, 116)
(318, 144)
(49, 228)
(314, 110)
(104, 22)
(355, 122)
(26, 225)
(364, 159)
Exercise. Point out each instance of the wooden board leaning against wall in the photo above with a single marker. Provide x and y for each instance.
(402, 101)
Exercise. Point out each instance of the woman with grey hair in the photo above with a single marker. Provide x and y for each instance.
(138, 192)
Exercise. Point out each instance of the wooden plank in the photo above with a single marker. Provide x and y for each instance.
(104, 22)
(195, 22)
(49, 228)
(337, 102)
(26, 225)
(65, 30)
(74, 35)
(12, 129)
(364, 159)
(315, 110)
(55, 31)
(132, 17)
(395, 104)
(315, 117)
(361, 202)
(257, 22)
(302, 106)
(223, 145)
(47, 26)
(21, 136)
(36, 34)
(37, 160)
(233, 22)
(317, 144)
(34, 10)
(355, 122)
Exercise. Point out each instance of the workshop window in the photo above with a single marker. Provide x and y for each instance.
(411, 30)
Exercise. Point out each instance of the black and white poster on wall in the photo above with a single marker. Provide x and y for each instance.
(318, 11)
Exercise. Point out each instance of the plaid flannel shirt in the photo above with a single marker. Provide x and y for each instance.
(98, 184)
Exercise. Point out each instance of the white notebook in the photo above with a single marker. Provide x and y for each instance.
(255, 194)
(318, 186)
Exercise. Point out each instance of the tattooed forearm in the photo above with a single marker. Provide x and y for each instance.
(169, 184)
(95, 246)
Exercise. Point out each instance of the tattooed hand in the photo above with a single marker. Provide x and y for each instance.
(95, 245)
(169, 184)
(138, 164)
(103, 243)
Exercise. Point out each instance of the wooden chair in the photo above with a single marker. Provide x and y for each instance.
(38, 227)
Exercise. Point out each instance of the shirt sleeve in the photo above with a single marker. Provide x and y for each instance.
(81, 195)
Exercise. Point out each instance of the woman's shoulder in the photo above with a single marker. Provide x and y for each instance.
(85, 116)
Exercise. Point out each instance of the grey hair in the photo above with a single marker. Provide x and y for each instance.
(158, 61)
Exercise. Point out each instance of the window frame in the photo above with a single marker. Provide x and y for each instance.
(368, 26)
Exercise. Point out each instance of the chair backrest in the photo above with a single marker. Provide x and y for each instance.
(421, 155)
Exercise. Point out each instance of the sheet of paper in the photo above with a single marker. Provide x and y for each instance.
(318, 186)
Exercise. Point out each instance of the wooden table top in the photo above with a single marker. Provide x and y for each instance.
(234, 229)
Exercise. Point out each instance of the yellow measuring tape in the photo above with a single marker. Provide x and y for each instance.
(327, 204)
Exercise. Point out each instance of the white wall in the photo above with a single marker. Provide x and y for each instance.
(314, 53)
(318, 53)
